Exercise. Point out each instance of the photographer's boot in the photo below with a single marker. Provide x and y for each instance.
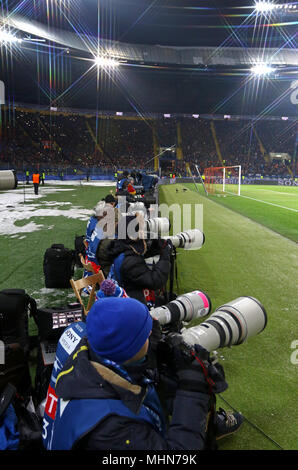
(227, 423)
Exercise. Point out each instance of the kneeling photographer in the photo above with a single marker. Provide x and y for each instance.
(129, 266)
(106, 392)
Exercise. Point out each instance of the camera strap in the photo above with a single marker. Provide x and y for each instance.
(173, 274)
(211, 443)
(210, 440)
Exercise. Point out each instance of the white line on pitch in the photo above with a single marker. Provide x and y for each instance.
(270, 203)
(279, 192)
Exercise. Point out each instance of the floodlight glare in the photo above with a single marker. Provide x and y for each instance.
(261, 69)
(105, 62)
(8, 37)
(264, 7)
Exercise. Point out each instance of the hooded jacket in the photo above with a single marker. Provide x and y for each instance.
(135, 275)
(132, 418)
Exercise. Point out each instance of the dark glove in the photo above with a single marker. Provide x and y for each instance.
(165, 247)
(196, 372)
(156, 335)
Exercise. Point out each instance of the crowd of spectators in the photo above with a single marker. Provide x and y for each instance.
(31, 138)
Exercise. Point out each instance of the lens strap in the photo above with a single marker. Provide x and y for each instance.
(207, 378)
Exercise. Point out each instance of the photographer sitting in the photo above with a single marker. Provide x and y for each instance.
(112, 217)
(129, 266)
(100, 229)
(106, 397)
(94, 235)
(122, 182)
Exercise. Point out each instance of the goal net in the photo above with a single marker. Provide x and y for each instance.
(224, 179)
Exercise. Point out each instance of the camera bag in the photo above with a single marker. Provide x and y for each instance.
(15, 307)
(58, 266)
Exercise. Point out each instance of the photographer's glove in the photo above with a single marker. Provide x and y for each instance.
(165, 247)
(196, 372)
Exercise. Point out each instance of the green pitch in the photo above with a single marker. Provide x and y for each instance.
(275, 207)
(243, 257)
(249, 250)
(57, 215)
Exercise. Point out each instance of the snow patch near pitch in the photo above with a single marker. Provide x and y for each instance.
(20, 205)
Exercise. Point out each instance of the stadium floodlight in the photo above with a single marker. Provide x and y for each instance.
(264, 7)
(261, 69)
(105, 62)
(6, 37)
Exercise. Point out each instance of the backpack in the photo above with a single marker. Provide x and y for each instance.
(58, 266)
(9, 435)
(15, 306)
(20, 427)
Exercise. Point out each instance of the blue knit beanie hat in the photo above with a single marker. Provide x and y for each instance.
(117, 328)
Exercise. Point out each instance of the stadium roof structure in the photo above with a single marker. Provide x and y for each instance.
(164, 55)
(175, 55)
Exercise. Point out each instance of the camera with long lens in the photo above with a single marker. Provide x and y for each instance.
(192, 239)
(136, 207)
(188, 240)
(184, 308)
(8, 179)
(157, 227)
(231, 324)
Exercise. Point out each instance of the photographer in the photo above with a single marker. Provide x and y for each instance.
(106, 396)
(94, 235)
(100, 229)
(112, 217)
(129, 266)
(122, 182)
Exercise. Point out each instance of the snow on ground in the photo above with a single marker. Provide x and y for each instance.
(101, 183)
(13, 208)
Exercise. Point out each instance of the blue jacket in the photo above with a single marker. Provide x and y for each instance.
(76, 418)
(121, 183)
(68, 343)
(100, 409)
(90, 227)
(94, 239)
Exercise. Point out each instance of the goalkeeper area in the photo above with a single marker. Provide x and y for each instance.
(250, 249)
(221, 180)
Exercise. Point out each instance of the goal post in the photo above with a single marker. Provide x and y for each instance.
(224, 179)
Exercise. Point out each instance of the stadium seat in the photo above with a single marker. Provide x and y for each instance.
(80, 284)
